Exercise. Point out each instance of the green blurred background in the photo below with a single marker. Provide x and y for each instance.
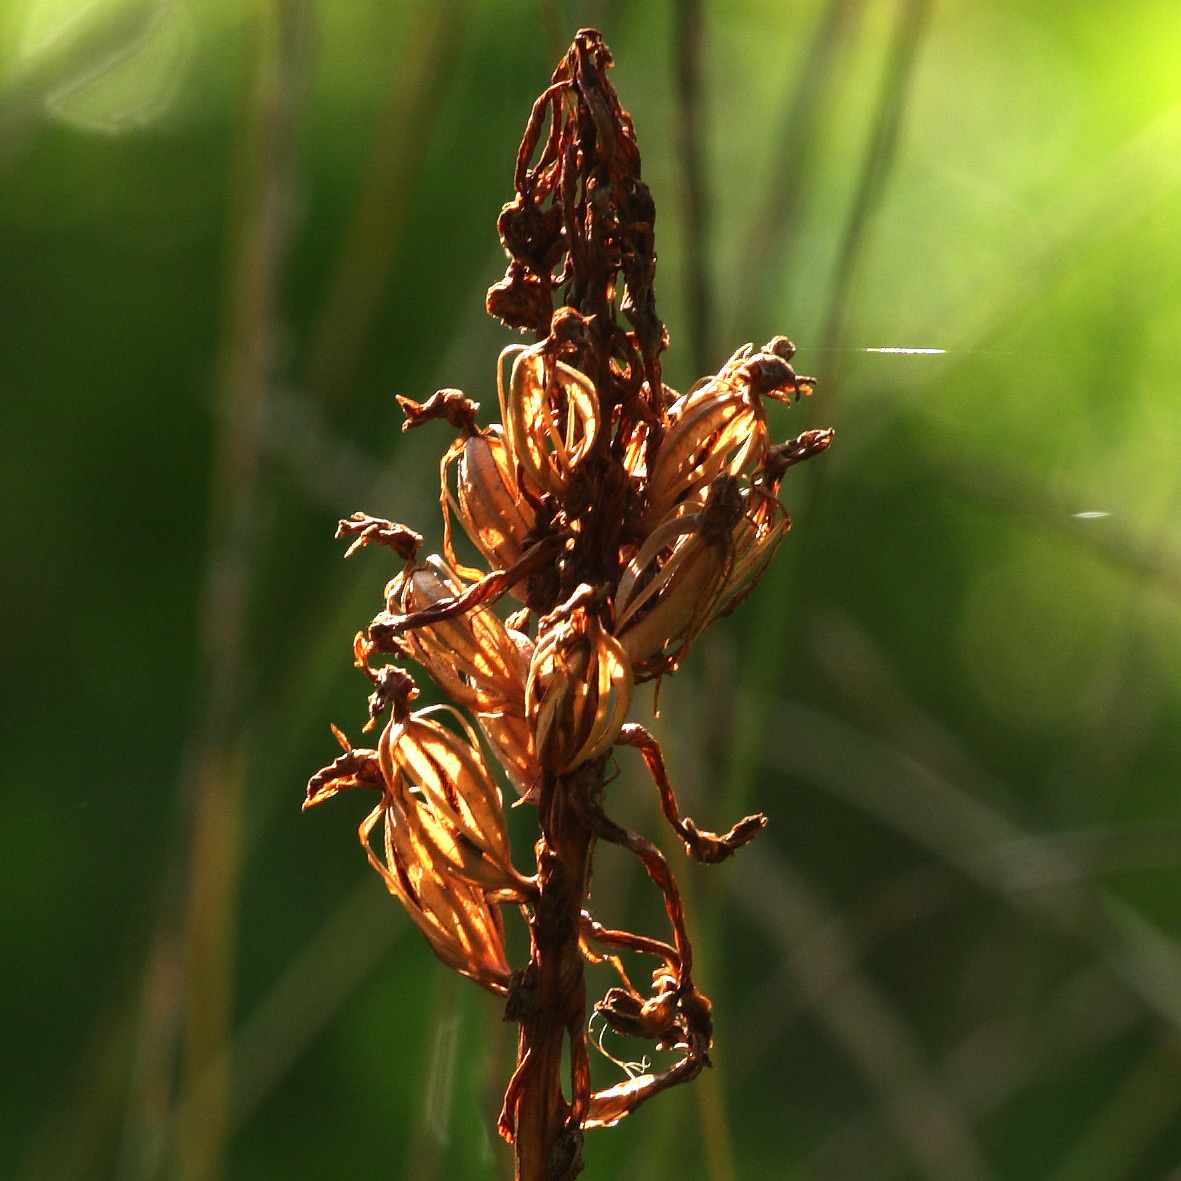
(231, 232)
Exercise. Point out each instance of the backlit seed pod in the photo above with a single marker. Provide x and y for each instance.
(471, 656)
(453, 806)
(477, 661)
(579, 690)
(551, 417)
(719, 428)
(465, 929)
(490, 506)
(692, 568)
(444, 852)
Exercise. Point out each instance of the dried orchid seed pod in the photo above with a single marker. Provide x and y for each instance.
(471, 656)
(479, 663)
(463, 928)
(715, 429)
(447, 863)
(721, 426)
(691, 567)
(579, 690)
(490, 506)
(551, 418)
(455, 801)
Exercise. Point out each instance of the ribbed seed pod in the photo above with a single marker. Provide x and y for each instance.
(455, 792)
(444, 852)
(579, 690)
(477, 661)
(720, 427)
(490, 506)
(551, 417)
(692, 568)
(717, 428)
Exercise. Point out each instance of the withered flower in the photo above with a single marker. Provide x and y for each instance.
(625, 519)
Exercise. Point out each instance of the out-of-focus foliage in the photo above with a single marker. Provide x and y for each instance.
(956, 952)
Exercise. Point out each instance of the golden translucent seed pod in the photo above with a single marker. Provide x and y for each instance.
(579, 691)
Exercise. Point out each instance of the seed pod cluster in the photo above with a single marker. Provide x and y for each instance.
(550, 688)
(623, 519)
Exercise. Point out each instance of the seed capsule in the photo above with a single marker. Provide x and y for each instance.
(477, 661)
(490, 506)
(579, 689)
(720, 427)
(445, 851)
(692, 568)
(551, 418)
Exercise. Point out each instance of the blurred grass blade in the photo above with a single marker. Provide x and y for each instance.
(369, 252)
(773, 229)
(136, 85)
(1000, 482)
(936, 814)
(918, 1106)
(319, 981)
(688, 52)
(881, 150)
(64, 51)
(262, 228)
(1144, 1105)
(773, 622)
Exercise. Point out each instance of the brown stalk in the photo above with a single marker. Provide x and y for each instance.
(624, 520)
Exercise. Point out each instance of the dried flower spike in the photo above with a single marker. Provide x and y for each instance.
(625, 519)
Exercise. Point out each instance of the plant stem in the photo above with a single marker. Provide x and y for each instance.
(548, 1135)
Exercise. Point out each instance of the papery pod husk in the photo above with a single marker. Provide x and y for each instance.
(479, 662)
(472, 656)
(449, 886)
(684, 591)
(757, 537)
(489, 504)
(463, 928)
(579, 691)
(679, 581)
(452, 779)
(543, 394)
(718, 428)
(511, 740)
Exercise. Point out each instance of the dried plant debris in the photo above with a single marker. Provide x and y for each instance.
(618, 519)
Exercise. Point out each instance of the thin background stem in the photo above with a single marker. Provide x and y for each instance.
(878, 163)
(261, 229)
(689, 67)
(774, 226)
(369, 255)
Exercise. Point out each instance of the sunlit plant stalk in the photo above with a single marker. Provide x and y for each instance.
(622, 519)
